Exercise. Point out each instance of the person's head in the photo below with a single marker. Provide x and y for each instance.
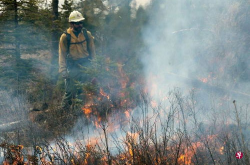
(76, 20)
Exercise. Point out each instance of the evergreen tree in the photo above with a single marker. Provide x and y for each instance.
(21, 33)
(66, 10)
(93, 11)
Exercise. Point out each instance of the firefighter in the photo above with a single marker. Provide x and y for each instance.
(76, 49)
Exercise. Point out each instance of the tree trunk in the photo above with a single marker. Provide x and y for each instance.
(17, 42)
(55, 42)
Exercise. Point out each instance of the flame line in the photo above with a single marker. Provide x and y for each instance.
(194, 80)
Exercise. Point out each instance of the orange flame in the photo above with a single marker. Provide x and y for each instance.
(103, 93)
(222, 150)
(127, 114)
(97, 122)
(124, 78)
(87, 110)
(186, 158)
(132, 138)
(154, 104)
(204, 80)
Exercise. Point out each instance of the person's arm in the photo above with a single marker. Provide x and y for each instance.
(62, 53)
(91, 45)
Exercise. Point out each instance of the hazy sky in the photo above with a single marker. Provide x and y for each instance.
(138, 2)
(141, 2)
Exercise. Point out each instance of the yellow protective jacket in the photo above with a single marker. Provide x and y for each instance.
(77, 51)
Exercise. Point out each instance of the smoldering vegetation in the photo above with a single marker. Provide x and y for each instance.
(169, 86)
(171, 132)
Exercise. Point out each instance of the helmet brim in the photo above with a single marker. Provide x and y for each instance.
(77, 20)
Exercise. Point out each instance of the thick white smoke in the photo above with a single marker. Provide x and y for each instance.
(192, 45)
(183, 39)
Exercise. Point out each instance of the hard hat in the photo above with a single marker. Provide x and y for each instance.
(75, 16)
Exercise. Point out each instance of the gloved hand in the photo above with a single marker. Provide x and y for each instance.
(65, 74)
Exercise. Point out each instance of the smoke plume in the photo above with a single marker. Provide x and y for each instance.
(196, 44)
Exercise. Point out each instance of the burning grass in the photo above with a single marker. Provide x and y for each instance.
(119, 127)
(152, 133)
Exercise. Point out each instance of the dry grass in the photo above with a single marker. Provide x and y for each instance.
(166, 133)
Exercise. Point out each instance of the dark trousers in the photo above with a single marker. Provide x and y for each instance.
(73, 89)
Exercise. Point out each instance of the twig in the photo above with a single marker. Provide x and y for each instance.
(106, 141)
(241, 134)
